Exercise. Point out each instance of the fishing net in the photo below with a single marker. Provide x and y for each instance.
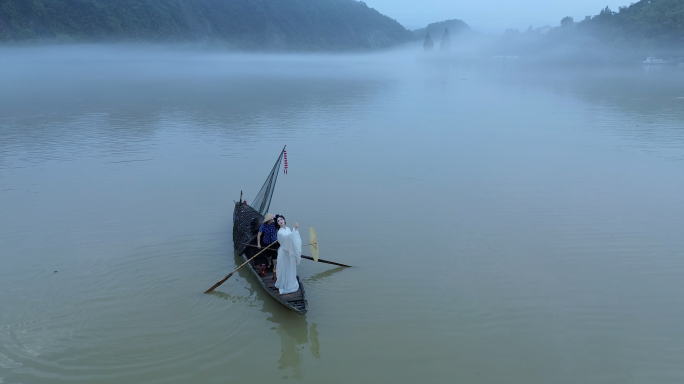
(246, 223)
(248, 218)
(262, 201)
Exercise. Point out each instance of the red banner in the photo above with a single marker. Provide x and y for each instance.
(285, 158)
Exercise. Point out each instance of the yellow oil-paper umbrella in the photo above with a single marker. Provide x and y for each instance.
(314, 243)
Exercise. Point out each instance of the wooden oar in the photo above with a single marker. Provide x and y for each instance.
(326, 261)
(231, 274)
(308, 257)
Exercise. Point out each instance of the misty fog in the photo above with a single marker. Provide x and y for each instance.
(512, 214)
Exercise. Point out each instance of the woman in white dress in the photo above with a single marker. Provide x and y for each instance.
(289, 256)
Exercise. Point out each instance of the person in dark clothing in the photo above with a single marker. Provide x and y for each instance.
(269, 233)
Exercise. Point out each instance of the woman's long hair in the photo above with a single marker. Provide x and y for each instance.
(276, 220)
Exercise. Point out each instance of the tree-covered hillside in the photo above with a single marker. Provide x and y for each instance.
(245, 24)
(645, 23)
(645, 28)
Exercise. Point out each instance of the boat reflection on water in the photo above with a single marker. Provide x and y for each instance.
(295, 333)
(294, 330)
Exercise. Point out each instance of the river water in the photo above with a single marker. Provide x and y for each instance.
(506, 224)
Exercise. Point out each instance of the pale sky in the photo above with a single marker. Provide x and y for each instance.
(492, 16)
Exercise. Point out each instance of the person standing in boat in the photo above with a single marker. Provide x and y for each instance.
(269, 232)
(289, 256)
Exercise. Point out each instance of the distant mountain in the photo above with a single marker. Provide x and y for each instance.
(242, 24)
(436, 30)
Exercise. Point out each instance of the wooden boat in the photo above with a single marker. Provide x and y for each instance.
(650, 60)
(246, 222)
